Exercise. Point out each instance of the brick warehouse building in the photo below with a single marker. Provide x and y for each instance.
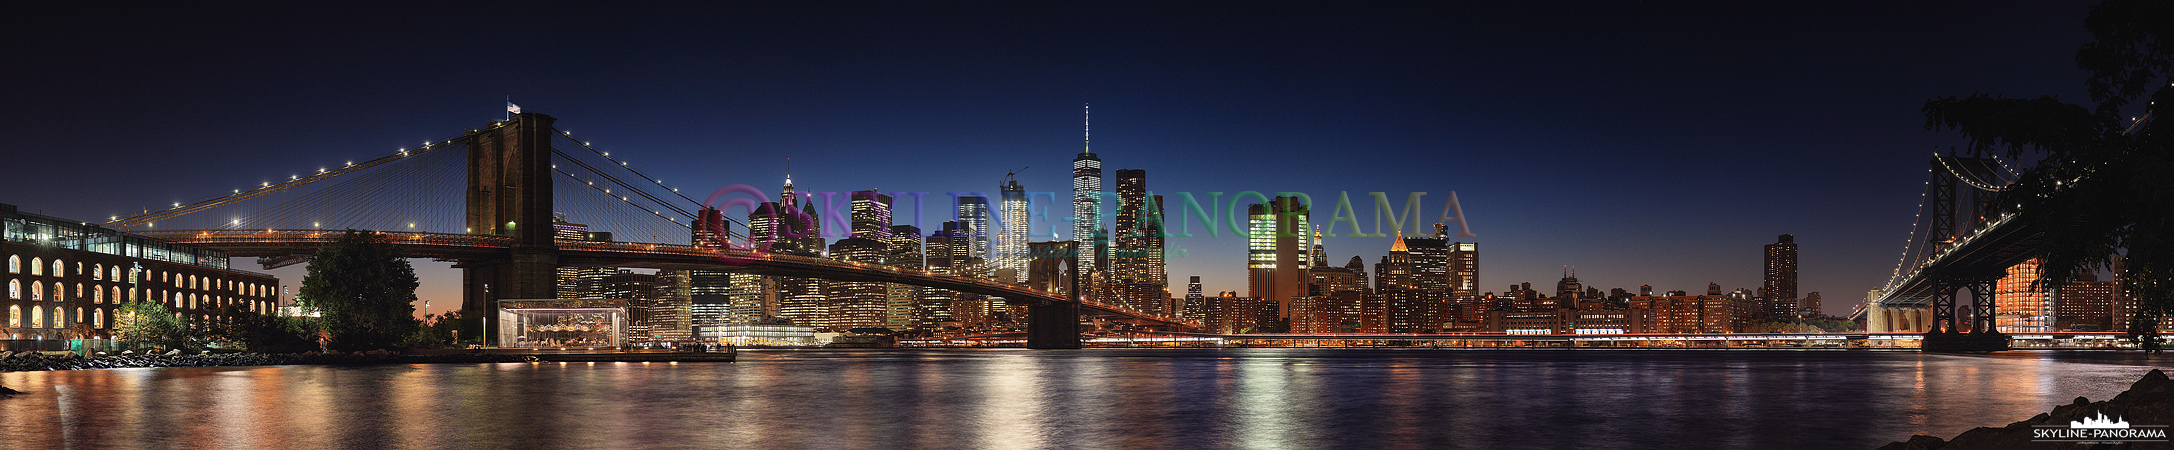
(66, 279)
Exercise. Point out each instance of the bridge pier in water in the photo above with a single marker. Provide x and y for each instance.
(1053, 325)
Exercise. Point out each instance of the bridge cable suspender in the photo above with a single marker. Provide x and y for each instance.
(629, 168)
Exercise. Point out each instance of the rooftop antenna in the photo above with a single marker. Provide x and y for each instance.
(1086, 133)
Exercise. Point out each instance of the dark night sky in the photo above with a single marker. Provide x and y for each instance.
(1642, 143)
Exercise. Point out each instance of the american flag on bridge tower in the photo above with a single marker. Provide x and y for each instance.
(513, 108)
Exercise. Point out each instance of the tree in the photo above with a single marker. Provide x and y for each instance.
(2100, 186)
(437, 330)
(149, 325)
(264, 333)
(365, 291)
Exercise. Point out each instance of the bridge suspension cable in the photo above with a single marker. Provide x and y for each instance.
(149, 217)
(1987, 178)
(593, 170)
(408, 192)
(622, 164)
(407, 198)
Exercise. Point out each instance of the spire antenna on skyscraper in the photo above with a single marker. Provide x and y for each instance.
(1087, 131)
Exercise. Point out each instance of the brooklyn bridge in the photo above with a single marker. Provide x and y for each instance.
(485, 200)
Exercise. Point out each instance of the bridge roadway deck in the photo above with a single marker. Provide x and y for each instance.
(443, 246)
(1983, 255)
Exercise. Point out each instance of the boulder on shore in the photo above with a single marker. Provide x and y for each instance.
(2148, 402)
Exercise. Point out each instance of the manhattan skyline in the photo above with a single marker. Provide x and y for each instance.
(1653, 145)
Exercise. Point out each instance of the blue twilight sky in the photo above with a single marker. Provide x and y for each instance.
(1645, 143)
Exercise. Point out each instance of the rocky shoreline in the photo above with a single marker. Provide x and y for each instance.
(2148, 402)
(29, 361)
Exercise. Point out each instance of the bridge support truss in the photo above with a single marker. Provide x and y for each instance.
(1950, 333)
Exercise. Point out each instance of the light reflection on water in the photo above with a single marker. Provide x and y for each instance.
(1102, 398)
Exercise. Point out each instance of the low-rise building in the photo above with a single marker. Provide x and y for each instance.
(66, 279)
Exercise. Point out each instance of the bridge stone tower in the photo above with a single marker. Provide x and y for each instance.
(509, 194)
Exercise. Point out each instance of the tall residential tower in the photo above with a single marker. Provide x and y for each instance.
(1781, 278)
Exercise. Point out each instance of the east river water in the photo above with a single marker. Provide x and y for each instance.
(1095, 398)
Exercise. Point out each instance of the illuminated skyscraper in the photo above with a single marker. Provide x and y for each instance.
(1086, 197)
(1320, 254)
(973, 261)
(1399, 292)
(1395, 269)
(786, 226)
(856, 304)
(709, 292)
(2022, 303)
(1430, 264)
(671, 315)
(1138, 276)
(752, 297)
(1781, 278)
(2086, 304)
(947, 254)
(572, 281)
(1011, 239)
(902, 301)
(871, 214)
(1464, 268)
(778, 226)
(1276, 252)
(1195, 306)
(974, 224)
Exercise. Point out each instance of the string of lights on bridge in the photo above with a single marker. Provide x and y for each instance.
(268, 187)
(1903, 259)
